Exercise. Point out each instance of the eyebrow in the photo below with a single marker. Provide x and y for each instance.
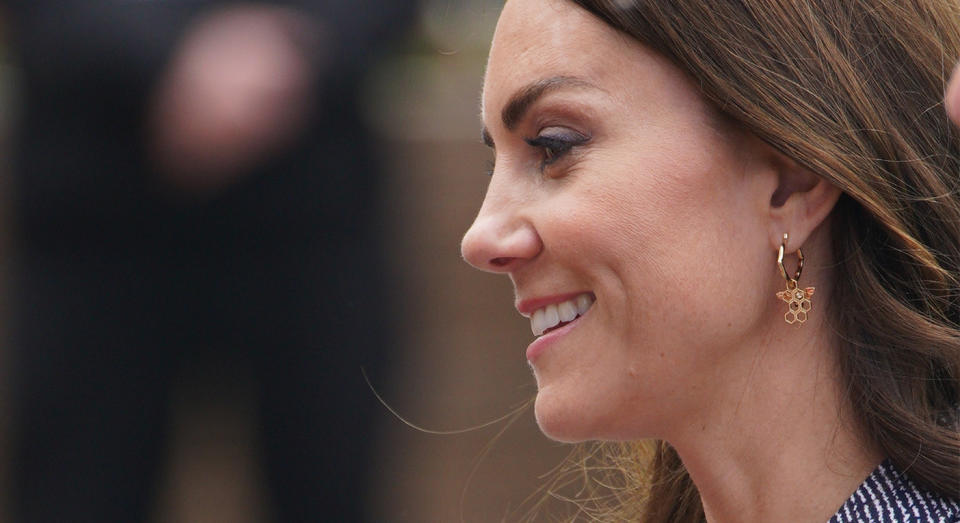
(524, 98)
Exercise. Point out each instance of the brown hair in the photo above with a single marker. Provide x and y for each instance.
(852, 90)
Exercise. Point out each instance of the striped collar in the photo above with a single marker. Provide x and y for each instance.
(889, 496)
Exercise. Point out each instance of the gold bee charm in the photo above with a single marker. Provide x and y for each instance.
(798, 302)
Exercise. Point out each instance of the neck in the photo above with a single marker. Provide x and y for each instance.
(777, 442)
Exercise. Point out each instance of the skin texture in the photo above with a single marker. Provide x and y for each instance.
(672, 219)
(952, 101)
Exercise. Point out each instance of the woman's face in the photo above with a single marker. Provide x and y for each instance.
(615, 184)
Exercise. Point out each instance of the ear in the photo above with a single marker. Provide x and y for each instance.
(799, 204)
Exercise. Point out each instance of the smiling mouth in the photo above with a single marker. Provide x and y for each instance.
(557, 315)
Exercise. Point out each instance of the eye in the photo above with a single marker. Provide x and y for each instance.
(555, 142)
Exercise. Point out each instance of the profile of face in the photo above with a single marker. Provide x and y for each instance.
(621, 201)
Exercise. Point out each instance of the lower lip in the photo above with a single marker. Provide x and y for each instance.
(546, 340)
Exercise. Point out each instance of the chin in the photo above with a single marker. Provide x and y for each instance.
(560, 421)
(572, 418)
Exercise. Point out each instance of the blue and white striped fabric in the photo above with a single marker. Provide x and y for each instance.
(888, 496)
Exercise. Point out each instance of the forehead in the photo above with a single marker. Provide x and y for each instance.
(538, 39)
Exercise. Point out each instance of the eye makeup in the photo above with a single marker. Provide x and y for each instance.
(555, 142)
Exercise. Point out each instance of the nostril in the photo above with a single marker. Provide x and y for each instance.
(499, 243)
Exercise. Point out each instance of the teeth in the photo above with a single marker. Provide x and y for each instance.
(567, 311)
(537, 320)
(552, 315)
(584, 301)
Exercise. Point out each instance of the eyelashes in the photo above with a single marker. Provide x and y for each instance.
(553, 143)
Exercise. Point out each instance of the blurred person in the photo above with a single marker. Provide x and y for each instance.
(671, 185)
(192, 177)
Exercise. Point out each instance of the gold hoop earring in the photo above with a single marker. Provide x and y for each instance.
(798, 300)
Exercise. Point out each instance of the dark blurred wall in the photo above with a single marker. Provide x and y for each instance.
(464, 361)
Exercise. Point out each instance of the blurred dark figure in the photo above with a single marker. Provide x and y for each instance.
(188, 177)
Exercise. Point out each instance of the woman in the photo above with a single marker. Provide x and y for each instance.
(654, 161)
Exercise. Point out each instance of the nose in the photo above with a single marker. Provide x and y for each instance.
(500, 240)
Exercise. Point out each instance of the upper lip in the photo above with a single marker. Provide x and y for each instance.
(529, 306)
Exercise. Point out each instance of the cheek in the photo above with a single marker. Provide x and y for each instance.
(667, 246)
(683, 245)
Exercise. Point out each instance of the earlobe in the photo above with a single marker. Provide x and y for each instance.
(801, 201)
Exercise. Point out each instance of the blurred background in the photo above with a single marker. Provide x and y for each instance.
(216, 220)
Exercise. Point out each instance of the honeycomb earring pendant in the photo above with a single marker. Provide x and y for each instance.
(798, 300)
